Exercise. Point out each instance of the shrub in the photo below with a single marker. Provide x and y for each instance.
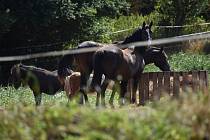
(186, 118)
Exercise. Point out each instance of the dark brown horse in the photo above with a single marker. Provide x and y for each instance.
(119, 65)
(152, 55)
(84, 62)
(39, 80)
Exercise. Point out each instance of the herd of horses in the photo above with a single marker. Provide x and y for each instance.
(109, 61)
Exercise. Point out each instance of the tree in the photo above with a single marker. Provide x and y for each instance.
(142, 7)
(25, 23)
(177, 12)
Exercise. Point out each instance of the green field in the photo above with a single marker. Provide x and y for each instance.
(185, 118)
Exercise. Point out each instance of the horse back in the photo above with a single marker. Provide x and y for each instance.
(41, 80)
(48, 82)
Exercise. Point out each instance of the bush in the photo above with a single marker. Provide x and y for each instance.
(129, 24)
(184, 62)
(186, 118)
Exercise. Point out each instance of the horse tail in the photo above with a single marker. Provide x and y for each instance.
(97, 74)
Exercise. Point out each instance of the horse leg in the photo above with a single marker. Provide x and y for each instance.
(123, 90)
(83, 81)
(114, 90)
(135, 84)
(38, 98)
(103, 90)
(96, 83)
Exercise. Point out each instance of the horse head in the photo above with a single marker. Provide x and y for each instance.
(64, 68)
(143, 33)
(16, 76)
(158, 57)
(62, 74)
(147, 32)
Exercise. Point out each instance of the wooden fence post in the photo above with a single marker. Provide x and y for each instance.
(141, 90)
(154, 86)
(160, 84)
(185, 82)
(195, 81)
(167, 82)
(146, 86)
(176, 84)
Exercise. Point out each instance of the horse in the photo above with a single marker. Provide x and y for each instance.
(84, 61)
(119, 65)
(72, 84)
(152, 55)
(39, 80)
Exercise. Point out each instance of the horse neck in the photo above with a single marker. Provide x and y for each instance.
(132, 38)
(148, 57)
(139, 50)
(23, 74)
(66, 61)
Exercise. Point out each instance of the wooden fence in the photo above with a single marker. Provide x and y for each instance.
(154, 84)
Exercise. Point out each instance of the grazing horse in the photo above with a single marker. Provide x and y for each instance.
(39, 80)
(84, 61)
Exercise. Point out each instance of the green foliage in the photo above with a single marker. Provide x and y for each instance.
(142, 7)
(98, 30)
(68, 17)
(187, 118)
(179, 12)
(131, 23)
(188, 61)
(185, 62)
(176, 12)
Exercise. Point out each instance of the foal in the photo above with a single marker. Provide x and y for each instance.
(39, 80)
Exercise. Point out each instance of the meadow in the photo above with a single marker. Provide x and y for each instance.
(185, 118)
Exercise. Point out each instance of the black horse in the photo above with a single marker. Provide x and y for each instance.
(119, 65)
(152, 55)
(39, 80)
(84, 61)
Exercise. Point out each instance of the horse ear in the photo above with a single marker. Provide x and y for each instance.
(144, 24)
(150, 25)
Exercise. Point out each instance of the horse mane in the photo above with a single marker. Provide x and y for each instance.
(33, 68)
(132, 37)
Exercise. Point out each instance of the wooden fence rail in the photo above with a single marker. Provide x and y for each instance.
(154, 84)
